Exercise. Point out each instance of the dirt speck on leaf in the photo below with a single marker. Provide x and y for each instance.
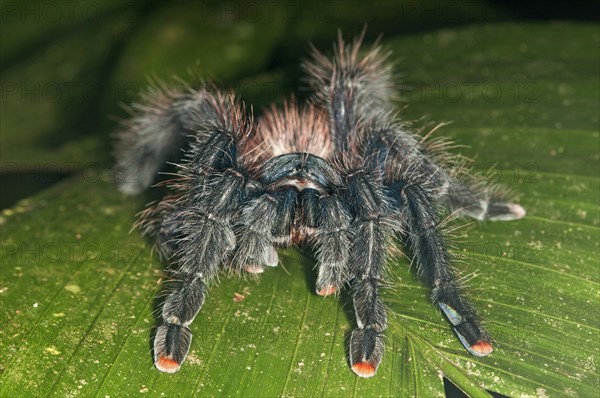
(73, 289)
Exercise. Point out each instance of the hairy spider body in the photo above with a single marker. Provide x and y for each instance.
(341, 174)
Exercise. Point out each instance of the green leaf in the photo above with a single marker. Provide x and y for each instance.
(77, 289)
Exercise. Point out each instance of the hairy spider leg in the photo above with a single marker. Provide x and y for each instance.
(213, 187)
(369, 206)
(332, 244)
(428, 246)
(353, 87)
(158, 221)
(255, 243)
(308, 215)
(156, 132)
(417, 159)
(417, 184)
(396, 152)
(480, 205)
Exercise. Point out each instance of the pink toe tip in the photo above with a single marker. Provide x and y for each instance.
(167, 365)
(327, 291)
(482, 348)
(364, 369)
(254, 269)
(517, 210)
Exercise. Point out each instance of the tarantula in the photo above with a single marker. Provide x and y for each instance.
(340, 173)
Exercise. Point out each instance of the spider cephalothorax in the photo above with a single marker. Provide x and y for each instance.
(340, 174)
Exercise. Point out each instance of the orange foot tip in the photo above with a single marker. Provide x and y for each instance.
(517, 210)
(482, 348)
(327, 291)
(167, 365)
(364, 369)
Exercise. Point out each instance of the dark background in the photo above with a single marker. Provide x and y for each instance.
(68, 66)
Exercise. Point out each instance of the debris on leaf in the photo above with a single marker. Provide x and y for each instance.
(238, 297)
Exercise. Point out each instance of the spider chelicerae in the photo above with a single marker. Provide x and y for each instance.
(341, 173)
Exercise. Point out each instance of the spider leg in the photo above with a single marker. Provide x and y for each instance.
(157, 221)
(407, 158)
(354, 87)
(475, 202)
(255, 240)
(157, 131)
(204, 238)
(212, 187)
(420, 183)
(331, 241)
(369, 205)
(286, 217)
(429, 248)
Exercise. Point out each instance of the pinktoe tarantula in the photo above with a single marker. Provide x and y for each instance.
(340, 173)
